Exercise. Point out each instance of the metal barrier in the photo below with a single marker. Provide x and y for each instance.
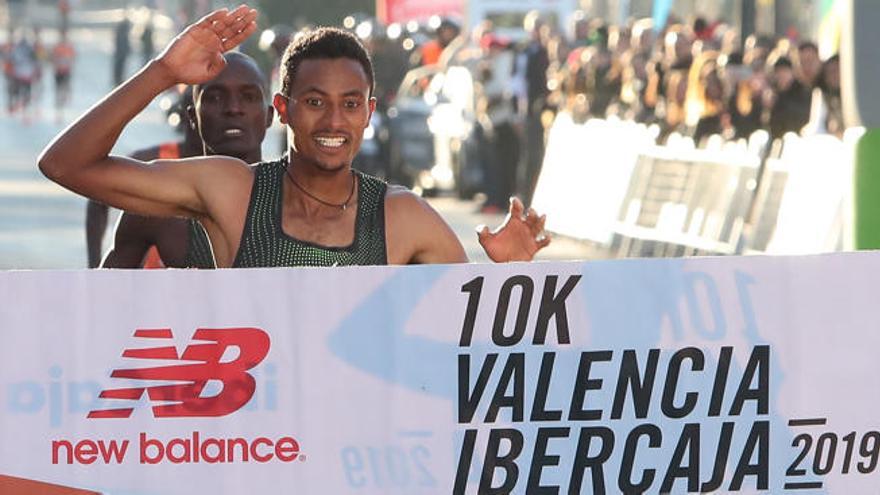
(678, 200)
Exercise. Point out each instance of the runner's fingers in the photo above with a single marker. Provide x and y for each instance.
(531, 217)
(534, 222)
(232, 16)
(241, 17)
(516, 207)
(230, 22)
(537, 223)
(237, 38)
(233, 24)
(543, 242)
(244, 18)
(214, 17)
(240, 11)
(483, 233)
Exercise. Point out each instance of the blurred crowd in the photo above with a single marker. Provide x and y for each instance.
(695, 78)
(32, 66)
(25, 59)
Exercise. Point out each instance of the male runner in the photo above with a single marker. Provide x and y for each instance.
(97, 213)
(230, 116)
(308, 209)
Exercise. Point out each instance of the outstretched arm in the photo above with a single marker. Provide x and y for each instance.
(416, 234)
(79, 159)
(518, 238)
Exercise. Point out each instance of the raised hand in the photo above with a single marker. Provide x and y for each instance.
(518, 238)
(196, 54)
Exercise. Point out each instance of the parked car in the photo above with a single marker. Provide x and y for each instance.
(431, 132)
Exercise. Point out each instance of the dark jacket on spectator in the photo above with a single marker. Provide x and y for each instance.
(791, 111)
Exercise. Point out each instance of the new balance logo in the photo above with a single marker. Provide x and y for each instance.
(183, 397)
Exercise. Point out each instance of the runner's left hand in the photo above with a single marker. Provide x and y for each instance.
(518, 238)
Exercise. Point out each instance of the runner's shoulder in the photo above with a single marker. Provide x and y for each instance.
(403, 203)
(397, 196)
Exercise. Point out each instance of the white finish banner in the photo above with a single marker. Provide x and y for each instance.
(670, 375)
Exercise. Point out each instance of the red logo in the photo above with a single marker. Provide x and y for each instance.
(185, 399)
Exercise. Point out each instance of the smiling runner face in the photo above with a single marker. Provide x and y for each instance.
(327, 111)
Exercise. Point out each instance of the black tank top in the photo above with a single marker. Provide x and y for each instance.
(264, 243)
(198, 250)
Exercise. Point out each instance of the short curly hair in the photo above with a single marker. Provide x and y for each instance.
(323, 43)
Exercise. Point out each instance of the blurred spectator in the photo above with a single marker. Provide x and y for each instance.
(63, 57)
(789, 101)
(6, 55)
(390, 63)
(572, 79)
(64, 14)
(678, 45)
(809, 65)
(634, 80)
(826, 115)
(619, 40)
(532, 65)
(745, 104)
(447, 31)
(25, 70)
(705, 105)
(756, 50)
(601, 74)
(642, 36)
(468, 51)
(653, 93)
(390, 67)
(602, 81)
(704, 30)
(121, 50)
(43, 57)
(673, 109)
(497, 117)
(667, 79)
(730, 41)
(147, 47)
(580, 30)
(599, 33)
